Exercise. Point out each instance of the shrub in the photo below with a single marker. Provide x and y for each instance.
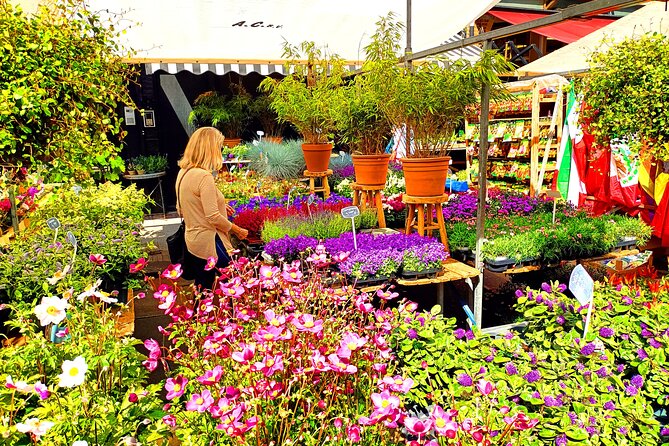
(282, 161)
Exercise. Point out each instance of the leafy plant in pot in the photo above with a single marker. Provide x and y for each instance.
(308, 98)
(260, 108)
(429, 101)
(229, 114)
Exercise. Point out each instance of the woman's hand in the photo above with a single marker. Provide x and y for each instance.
(229, 210)
(241, 233)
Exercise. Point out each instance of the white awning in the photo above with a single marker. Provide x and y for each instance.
(573, 58)
(251, 32)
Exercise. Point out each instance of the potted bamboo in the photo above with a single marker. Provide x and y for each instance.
(429, 101)
(307, 99)
(260, 108)
(229, 114)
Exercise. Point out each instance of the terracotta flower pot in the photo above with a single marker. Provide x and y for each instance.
(274, 139)
(317, 156)
(425, 177)
(232, 142)
(371, 170)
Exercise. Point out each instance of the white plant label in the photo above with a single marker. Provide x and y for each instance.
(351, 212)
(583, 288)
(53, 223)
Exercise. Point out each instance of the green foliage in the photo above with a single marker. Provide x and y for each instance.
(229, 114)
(322, 225)
(626, 94)
(282, 161)
(461, 235)
(517, 247)
(260, 108)
(149, 163)
(63, 81)
(308, 97)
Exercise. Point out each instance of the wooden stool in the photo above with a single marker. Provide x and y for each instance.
(324, 187)
(369, 195)
(425, 223)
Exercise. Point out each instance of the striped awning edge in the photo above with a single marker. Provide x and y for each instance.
(222, 68)
(466, 52)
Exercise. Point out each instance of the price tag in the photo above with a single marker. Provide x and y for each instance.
(582, 287)
(71, 239)
(53, 223)
(351, 212)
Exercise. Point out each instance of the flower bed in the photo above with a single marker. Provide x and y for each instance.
(321, 225)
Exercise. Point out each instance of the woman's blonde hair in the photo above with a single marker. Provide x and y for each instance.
(204, 150)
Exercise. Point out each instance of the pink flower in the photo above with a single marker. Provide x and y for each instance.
(175, 387)
(151, 363)
(337, 364)
(397, 383)
(485, 387)
(274, 319)
(244, 313)
(267, 272)
(231, 289)
(417, 426)
(247, 353)
(139, 266)
(384, 402)
(97, 259)
(211, 263)
(223, 406)
(41, 390)
(338, 258)
(350, 343)
(306, 322)
(170, 420)
(211, 377)
(164, 292)
(443, 422)
(319, 260)
(386, 295)
(205, 306)
(200, 402)
(363, 305)
(270, 364)
(173, 272)
(353, 433)
(232, 422)
(291, 274)
(271, 334)
(318, 362)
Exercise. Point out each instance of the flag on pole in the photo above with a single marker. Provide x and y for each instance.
(568, 180)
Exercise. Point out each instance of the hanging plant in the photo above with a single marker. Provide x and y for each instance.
(627, 95)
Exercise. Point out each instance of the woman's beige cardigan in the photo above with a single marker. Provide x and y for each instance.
(202, 207)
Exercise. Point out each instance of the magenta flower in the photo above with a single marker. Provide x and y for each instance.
(397, 384)
(151, 363)
(97, 259)
(337, 364)
(418, 427)
(291, 273)
(175, 387)
(244, 313)
(443, 422)
(274, 319)
(211, 377)
(306, 322)
(271, 334)
(485, 387)
(385, 402)
(350, 343)
(164, 292)
(41, 390)
(353, 433)
(170, 420)
(211, 263)
(173, 272)
(386, 295)
(231, 289)
(139, 266)
(246, 355)
(200, 402)
(270, 364)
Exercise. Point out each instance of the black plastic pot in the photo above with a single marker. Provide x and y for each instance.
(428, 273)
(371, 281)
(499, 266)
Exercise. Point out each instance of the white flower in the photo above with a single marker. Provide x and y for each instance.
(74, 372)
(59, 275)
(34, 426)
(51, 310)
(92, 291)
(80, 443)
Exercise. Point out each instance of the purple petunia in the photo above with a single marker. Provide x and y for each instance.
(532, 376)
(465, 380)
(606, 332)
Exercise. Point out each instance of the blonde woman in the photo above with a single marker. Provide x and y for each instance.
(202, 205)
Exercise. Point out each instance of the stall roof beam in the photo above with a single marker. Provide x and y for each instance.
(590, 8)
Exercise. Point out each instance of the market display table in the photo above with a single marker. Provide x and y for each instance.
(158, 187)
(452, 270)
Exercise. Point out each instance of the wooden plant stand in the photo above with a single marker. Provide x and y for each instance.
(364, 195)
(324, 185)
(420, 218)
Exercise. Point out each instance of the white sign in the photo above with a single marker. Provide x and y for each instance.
(129, 115)
(351, 212)
(71, 238)
(53, 223)
(581, 285)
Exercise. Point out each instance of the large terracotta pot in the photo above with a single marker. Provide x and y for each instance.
(274, 139)
(232, 142)
(371, 170)
(425, 177)
(317, 156)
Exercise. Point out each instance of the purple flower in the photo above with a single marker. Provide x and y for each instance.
(588, 349)
(469, 335)
(623, 430)
(631, 390)
(664, 432)
(620, 368)
(546, 287)
(509, 335)
(572, 417)
(411, 334)
(536, 394)
(641, 353)
(606, 332)
(519, 293)
(533, 358)
(562, 287)
(627, 300)
(655, 343)
(560, 320)
(465, 380)
(550, 401)
(510, 368)
(637, 381)
(561, 440)
(609, 405)
(610, 388)
(592, 400)
(591, 430)
(579, 366)
(459, 333)
(532, 376)
(603, 372)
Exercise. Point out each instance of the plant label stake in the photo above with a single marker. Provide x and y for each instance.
(73, 241)
(290, 192)
(351, 212)
(582, 287)
(555, 195)
(53, 224)
(310, 201)
(76, 189)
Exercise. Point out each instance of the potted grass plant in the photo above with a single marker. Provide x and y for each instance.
(229, 113)
(308, 98)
